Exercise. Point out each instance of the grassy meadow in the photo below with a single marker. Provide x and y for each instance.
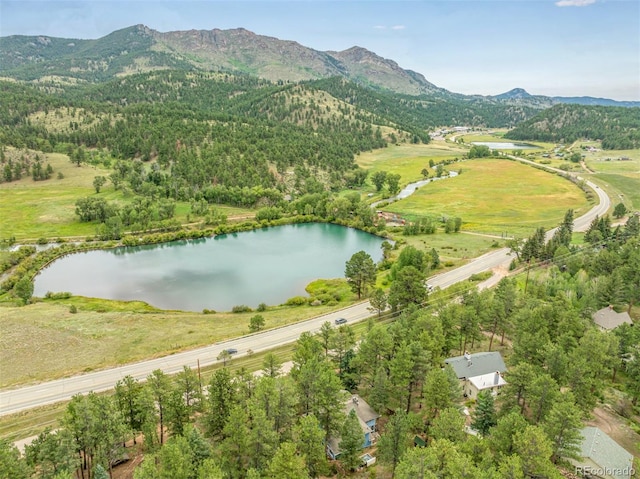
(620, 179)
(408, 160)
(45, 341)
(30, 210)
(496, 196)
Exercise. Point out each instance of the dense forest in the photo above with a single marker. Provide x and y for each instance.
(239, 425)
(197, 130)
(618, 128)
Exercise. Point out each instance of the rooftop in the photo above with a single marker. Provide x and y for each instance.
(608, 318)
(364, 412)
(605, 453)
(486, 381)
(471, 365)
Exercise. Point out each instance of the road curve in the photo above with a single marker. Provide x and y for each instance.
(20, 399)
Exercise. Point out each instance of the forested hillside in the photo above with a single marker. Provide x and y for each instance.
(617, 127)
(197, 130)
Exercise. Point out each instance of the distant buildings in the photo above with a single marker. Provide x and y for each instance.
(479, 372)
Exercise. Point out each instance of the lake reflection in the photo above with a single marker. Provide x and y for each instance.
(267, 265)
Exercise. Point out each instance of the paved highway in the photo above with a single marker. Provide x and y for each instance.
(15, 400)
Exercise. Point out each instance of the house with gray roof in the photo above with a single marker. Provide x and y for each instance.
(478, 372)
(607, 318)
(367, 418)
(602, 457)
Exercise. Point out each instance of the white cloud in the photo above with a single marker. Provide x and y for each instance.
(574, 3)
(401, 27)
(380, 27)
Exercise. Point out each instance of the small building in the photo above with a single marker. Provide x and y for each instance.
(478, 372)
(602, 457)
(367, 418)
(607, 318)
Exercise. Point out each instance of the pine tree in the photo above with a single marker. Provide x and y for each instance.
(395, 440)
(484, 417)
(351, 441)
(562, 426)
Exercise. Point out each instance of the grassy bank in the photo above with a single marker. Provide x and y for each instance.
(45, 341)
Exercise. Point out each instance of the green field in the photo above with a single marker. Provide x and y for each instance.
(620, 179)
(497, 136)
(497, 196)
(408, 160)
(46, 209)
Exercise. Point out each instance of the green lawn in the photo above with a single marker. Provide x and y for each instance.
(497, 196)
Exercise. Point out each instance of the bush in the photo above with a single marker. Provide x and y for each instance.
(42, 241)
(208, 311)
(62, 295)
(296, 301)
(513, 265)
(480, 276)
(261, 307)
(73, 309)
(241, 309)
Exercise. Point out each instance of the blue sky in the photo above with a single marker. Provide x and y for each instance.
(548, 47)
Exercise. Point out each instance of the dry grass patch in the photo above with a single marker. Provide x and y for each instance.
(44, 341)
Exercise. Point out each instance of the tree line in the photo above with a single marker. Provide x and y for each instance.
(617, 127)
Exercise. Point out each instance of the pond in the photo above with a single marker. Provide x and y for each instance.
(499, 145)
(266, 265)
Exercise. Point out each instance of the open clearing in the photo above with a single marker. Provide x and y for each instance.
(497, 196)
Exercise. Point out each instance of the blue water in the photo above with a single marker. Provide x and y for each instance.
(263, 266)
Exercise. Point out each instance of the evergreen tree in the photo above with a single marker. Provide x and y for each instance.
(395, 440)
(220, 400)
(351, 441)
(562, 425)
(448, 425)
(484, 416)
(287, 464)
(360, 272)
(310, 440)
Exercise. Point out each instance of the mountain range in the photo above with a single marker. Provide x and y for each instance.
(139, 49)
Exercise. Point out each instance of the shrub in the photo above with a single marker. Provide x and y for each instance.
(296, 301)
(241, 309)
(513, 265)
(261, 307)
(42, 241)
(73, 309)
(61, 295)
(480, 276)
(208, 311)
